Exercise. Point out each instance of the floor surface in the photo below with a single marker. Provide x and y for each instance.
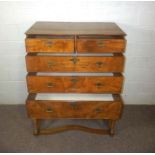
(135, 132)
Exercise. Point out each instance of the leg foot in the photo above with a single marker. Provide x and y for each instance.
(36, 128)
(112, 127)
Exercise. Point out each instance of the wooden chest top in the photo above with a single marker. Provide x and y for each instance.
(75, 28)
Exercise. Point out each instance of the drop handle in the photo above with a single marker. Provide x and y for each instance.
(48, 43)
(49, 110)
(74, 81)
(50, 85)
(51, 64)
(99, 64)
(98, 110)
(74, 105)
(100, 44)
(99, 85)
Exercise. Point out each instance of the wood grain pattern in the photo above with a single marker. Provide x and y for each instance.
(74, 84)
(49, 45)
(81, 63)
(45, 109)
(101, 45)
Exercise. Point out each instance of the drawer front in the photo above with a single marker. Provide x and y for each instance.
(49, 45)
(78, 109)
(74, 64)
(75, 84)
(101, 45)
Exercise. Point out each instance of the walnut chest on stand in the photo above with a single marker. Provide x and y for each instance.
(74, 72)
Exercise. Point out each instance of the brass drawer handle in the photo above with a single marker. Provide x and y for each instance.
(49, 110)
(50, 85)
(74, 81)
(74, 105)
(74, 60)
(99, 64)
(100, 44)
(98, 110)
(48, 43)
(51, 64)
(99, 85)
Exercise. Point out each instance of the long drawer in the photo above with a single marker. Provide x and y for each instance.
(49, 45)
(74, 84)
(101, 45)
(41, 63)
(100, 109)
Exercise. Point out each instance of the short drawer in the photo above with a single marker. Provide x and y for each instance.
(49, 45)
(58, 107)
(40, 63)
(74, 84)
(101, 45)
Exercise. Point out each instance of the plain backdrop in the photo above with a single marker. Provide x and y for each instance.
(137, 19)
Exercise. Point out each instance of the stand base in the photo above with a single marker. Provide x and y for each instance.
(38, 131)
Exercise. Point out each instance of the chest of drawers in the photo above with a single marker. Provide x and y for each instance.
(74, 72)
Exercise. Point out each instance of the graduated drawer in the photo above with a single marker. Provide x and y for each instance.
(43, 83)
(49, 45)
(74, 106)
(40, 63)
(101, 45)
